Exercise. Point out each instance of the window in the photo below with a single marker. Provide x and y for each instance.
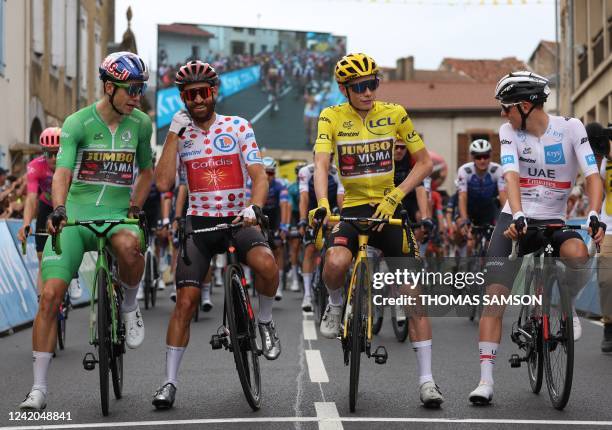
(83, 50)
(58, 35)
(98, 54)
(2, 36)
(38, 27)
(252, 31)
(71, 38)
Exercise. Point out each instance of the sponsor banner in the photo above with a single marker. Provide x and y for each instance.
(18, 302)
(169, 100)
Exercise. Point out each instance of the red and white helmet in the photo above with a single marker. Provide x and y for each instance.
(50, 138)
(196, 71)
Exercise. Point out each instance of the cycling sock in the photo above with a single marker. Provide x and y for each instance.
(205, 291)
(294, 272)
(423, 354)
(41, 366)
(307, 284)
(265, 308)
(174, 355)
(335, 296)
(488, 352)
(129, 297)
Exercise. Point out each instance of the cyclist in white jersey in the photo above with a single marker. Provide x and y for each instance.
(540, 155)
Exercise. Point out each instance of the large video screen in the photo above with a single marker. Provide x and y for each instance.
(279, 80)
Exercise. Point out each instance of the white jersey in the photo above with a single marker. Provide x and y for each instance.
(547, 166)
(215, 164)
(306, 173)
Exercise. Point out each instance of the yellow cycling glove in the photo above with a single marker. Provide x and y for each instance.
(389, 203)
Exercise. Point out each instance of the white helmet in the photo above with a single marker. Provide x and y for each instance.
(522, 86)
(269, 164)
(480, 146)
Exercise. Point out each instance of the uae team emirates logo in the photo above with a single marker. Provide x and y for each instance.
(214, 173)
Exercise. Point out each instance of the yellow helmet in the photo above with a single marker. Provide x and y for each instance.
(354, 66)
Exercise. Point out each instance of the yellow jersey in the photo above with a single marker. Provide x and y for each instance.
(364, 147)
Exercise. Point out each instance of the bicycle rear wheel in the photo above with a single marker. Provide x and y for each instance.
(241, 321)
(359, 309)
(104, 338)
(557, 342)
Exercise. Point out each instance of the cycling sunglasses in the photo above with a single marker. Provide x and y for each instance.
(360, 87)
(481, 156)
(507, 106)
(51, 154)
(133, 89)
(191, 94)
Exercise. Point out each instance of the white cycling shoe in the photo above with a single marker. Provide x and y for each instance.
(36, 400)
(482, 395)
(134, 328)
(74, 290)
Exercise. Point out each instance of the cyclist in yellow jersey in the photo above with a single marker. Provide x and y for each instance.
(362, 134)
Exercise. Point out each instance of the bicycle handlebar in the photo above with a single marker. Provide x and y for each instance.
(91, 224)
(592, 247)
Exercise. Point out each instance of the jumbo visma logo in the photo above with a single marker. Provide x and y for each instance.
(224, 143)
(553, 154)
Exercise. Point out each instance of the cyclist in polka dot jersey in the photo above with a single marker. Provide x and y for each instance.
(218, 154)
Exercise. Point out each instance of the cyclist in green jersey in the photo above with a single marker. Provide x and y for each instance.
(100, 146)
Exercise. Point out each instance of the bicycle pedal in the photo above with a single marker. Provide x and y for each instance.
(89, 361)
(515, 361)
(380, 355)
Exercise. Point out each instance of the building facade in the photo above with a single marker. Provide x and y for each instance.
(586, 59)
(49, 57)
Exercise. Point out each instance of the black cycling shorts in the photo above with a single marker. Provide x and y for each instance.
(390, 240)
(500, 270)
(44, 210)
(202, 247)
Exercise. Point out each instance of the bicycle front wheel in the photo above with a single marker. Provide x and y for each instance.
(241, 321)
(530, 320)
(117, 351)
(558, 342)
(359, 309)
(104, 336)
(148, 280)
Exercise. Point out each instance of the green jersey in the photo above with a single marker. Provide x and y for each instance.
(102, 162)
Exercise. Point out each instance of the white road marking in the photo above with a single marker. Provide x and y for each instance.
(452, 421)
(310, 331)
(316, 369)
(328, 413)
(300, 385)
(267, 107)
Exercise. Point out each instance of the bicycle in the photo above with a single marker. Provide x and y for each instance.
(546, 333)
(356, 327)
(238, 331)
(106, 330)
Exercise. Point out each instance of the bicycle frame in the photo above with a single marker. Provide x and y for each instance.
(102, 262)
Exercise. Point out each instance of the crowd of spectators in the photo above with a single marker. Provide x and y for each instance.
(12, 195)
